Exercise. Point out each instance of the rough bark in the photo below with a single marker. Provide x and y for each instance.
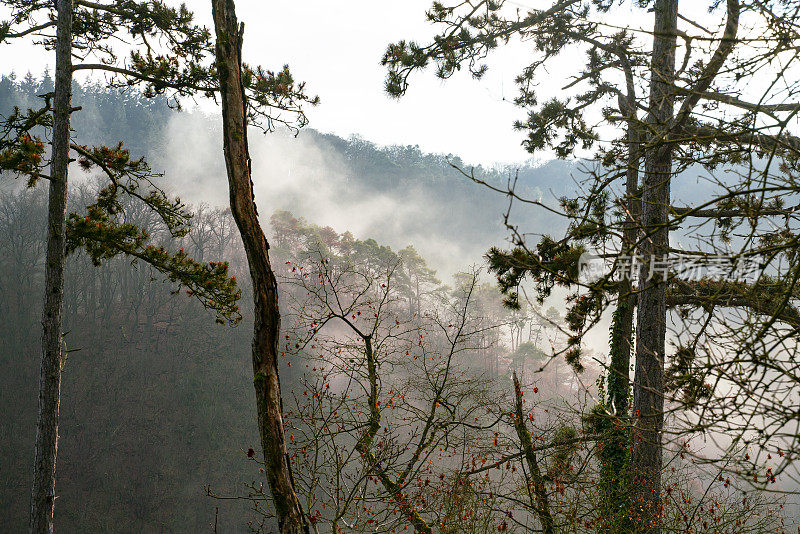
(291, 519)
(615, 450)
(622, 327)
(44, 474)
(620, 350)
(541, 502)
(648, 388)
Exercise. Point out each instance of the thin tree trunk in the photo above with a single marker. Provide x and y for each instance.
(291, 519)
(541, 502)
(622, 325)
(648, 389)
(364, 447)
(44, 474)
(615, 452)
(622, 328)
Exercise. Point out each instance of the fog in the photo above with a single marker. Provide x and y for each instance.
(158, 403)
(309, 176)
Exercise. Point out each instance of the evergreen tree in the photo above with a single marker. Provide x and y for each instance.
(713, 126)
(92, 28)
(238, 109)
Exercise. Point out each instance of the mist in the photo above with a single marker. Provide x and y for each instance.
(365, 319)
(318, 177)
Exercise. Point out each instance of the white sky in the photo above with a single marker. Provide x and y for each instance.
(336, 48)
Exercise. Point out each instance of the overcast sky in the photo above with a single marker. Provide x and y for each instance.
(336, 48)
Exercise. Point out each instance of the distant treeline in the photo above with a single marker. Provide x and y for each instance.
(470, 215)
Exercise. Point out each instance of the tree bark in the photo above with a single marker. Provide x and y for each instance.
(648, 388)
(615, 451)
(541, 502)
(622, 327)
(364, 447)
(291, 519)
(44, 474)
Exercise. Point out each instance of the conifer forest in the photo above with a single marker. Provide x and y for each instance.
(453, 266)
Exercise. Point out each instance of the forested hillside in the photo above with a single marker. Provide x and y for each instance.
(222, 311)
(156, 401)
(453, 220)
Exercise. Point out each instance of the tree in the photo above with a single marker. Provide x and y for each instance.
(469, 36)
(541, 502)
(651, 330)
(89, 27)
(388, 397)
(713, 127)
(420, 278)
(43, 497)
(276, 92)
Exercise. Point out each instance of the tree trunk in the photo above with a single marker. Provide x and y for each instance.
(648, 389)
(615, 453)
(622, 325)
(541, 502)
(44, 471)
(291, 519)
(364, 447)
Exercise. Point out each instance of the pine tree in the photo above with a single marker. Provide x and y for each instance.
(170, 56)
(237, 111)
(91, 28)
(713, 127)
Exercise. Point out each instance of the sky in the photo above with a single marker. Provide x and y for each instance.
(336, 47)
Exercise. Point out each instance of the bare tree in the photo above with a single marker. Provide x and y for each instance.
(386, 399)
